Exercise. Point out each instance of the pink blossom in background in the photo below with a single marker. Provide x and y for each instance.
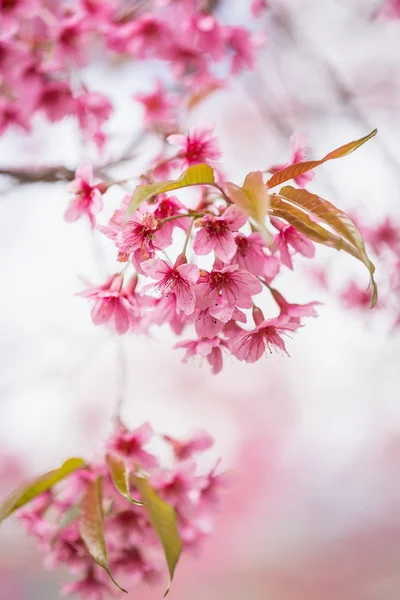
(388, 9)
(134, 550)
(299, 152)
(199, 146)
(88, 197)
(159, 106)
(258, 7)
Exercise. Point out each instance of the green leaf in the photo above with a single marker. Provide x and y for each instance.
(299, 168)
(342, 235)
(27, 491)
(91, 526)
(201, 174)
(120, 476)
(253, 199)
(163, 520)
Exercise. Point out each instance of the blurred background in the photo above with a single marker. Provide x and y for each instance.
(313, 442)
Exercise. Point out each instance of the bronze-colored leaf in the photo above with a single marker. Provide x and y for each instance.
(163, 520)
(27, 491)
(120, 476)
(299, 168)
(253, 199)
(91, 526)
(296, 206)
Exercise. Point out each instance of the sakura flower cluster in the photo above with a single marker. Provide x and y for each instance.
(43, 46)
(199, 268)
(134, 551)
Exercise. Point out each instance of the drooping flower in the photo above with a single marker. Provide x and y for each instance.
(298, 153)
(250, 254)
(215, 233)
(199, 441)
(199, 146)
(159, 106)
(289, 236)
(129, 445)
(209, 348)
(88, 197)
(294, 311)
(114, 305)
(251, 345)
(179, 280)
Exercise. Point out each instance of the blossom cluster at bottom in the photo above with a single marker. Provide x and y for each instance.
(64, 522)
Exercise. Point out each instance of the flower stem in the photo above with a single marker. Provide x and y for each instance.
(188, 237)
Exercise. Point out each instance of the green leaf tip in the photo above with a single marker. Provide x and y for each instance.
(28, 491)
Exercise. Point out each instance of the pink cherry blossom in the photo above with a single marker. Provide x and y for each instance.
(209, 348)
(241, 43)
(289, 236)
(88, 197)
(89, 588)
(258, 7)
(57, 101)
(207, 34)
(114, 305)
(229, 286)
(169, 206)
(215, 233)
(177, 486)
(355, 296)
(250, 254)
(298, 154)
(251, 345)
(389, 9)
(198, 442)
(93, 110)
(149, 36)
(294, 311)
(179, 280)
(199, 146)
(70, 41)
(129, 444)
(139, 235)
(159, 106)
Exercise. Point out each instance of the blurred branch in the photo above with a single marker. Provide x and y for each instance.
(343, 91)
(37, 175)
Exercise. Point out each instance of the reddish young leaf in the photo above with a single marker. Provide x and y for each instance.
(342, 233)
(299, 168)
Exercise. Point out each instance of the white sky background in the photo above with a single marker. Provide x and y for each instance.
(337, 399)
